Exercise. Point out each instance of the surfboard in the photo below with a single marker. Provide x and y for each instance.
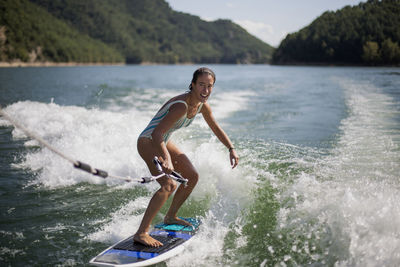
(128, 253)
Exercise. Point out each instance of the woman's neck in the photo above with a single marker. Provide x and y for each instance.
(191, 100)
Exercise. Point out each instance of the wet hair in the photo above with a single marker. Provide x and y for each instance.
(199, 72)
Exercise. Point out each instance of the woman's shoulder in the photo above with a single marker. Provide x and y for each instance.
(177, 99)
(181, 97)
(173, 103)
(177, 103)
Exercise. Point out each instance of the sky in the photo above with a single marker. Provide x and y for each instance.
(268, 20)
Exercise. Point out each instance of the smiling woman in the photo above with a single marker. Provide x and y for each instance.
(154, 141)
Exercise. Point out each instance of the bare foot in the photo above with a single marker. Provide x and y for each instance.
(147, 240)
(176, 220)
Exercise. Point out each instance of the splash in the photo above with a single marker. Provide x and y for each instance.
(101, 138)
(347, 208)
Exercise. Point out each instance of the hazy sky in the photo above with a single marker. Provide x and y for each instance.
(267, 19)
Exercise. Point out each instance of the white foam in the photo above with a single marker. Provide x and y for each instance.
(123, 222)
(4, 251)
(354, 193)
(103, 139)
(206, 247)
(226, 103)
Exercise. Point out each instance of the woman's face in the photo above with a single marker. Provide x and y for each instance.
(203, 87)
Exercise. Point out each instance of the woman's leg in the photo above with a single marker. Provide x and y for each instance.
(182, 165)
(147, 151)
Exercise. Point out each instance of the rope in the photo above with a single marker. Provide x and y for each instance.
(86, 167)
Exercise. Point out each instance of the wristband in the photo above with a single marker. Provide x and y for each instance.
(231, 148)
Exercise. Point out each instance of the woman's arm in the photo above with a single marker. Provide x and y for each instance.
(219, 132)
(176, 111)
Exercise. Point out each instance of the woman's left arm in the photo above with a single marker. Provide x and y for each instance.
(221, 135)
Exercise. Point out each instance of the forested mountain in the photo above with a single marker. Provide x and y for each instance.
(368, 33)
(132, 31)
(29, 33)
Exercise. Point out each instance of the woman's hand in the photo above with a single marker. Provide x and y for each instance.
(234, 159)
(167, 165)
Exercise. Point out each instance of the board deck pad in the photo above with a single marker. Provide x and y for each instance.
(130, 253)
(178, 227)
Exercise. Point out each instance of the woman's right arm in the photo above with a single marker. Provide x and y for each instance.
(176, 111)
(221, 135)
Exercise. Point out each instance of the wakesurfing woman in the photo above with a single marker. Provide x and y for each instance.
(176, 113)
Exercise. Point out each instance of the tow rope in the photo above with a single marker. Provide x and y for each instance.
(94, 171)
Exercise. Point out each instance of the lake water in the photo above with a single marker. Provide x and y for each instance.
(318, 180)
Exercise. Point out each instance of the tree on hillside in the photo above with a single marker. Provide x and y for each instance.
(368, 33)
(133, 31)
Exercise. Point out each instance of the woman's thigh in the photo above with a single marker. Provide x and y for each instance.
(181, 162)
(148, 151)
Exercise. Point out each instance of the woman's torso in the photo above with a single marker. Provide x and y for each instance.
(184, 121)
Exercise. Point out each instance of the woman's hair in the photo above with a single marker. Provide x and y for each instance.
(199, 72)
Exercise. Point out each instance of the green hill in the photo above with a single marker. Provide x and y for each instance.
(132, 31)
(29, 33)
(366, 34)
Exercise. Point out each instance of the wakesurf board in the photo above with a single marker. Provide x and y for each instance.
(128, 253)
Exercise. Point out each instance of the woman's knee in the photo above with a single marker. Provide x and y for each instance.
(193, 178)
(169, 186)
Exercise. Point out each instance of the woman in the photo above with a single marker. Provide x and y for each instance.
(178, 112)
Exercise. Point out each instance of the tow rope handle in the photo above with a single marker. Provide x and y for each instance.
(174, 175)
(97, 172)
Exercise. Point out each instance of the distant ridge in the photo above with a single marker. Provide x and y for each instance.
(366, 34)
(131, 31)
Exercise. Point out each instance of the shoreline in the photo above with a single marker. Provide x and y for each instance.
(18, 64)
(54, 64)
(75, 64)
